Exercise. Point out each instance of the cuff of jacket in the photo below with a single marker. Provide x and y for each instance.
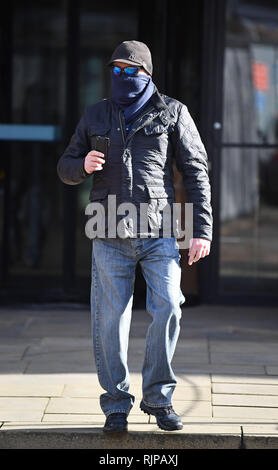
(84, 173)
(204, 236)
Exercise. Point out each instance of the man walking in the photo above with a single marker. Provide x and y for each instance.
(145, 132)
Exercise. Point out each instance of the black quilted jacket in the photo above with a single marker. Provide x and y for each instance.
(138, 166)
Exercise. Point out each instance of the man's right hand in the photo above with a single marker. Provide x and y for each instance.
(93, 161)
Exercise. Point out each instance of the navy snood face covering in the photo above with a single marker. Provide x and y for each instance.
(131, 93)
(125, 90)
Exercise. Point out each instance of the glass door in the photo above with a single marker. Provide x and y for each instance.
(248, 232)
(54, 56)
(31, 202)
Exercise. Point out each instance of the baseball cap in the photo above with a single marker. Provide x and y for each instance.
(133, 53)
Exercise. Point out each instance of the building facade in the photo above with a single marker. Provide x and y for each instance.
(219, 57)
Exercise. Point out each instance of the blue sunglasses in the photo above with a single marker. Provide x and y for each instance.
(129, 71)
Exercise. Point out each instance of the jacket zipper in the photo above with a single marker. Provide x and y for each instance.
(122, 130)
(121, 124)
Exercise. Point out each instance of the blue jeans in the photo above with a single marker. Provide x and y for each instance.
(113, 276)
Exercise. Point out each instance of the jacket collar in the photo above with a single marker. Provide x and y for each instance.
(163, 109)
(158, 101)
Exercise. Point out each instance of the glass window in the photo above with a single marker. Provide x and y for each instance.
(251, 73)
(249, 174)
(249, 221)
(38, 85)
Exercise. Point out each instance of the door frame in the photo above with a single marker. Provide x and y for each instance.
(213, 48)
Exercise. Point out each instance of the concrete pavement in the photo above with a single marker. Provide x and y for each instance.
(226, 363)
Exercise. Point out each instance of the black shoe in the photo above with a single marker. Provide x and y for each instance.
(116, 422)
(166, 417)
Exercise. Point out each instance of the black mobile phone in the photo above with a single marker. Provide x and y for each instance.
(102, 144)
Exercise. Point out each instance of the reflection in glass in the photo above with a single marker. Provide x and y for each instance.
(249, 175)
(249, 221)
(35, 203)
(251, 73)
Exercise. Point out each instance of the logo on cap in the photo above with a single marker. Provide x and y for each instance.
(132, 57)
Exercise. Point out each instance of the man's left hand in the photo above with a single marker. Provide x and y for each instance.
(199, 248)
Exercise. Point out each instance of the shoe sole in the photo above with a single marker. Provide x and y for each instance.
(159, 424)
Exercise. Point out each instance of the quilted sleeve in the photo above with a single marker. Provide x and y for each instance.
(70, 167)
(192, 162)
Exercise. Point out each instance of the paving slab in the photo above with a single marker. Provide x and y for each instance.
(182, 392)
(82, 390)
(272, 370)
(261, 429)
(245, 400)
(190, 345)
(244, 358)
(13, 367)
(234, 419)
(226, 364)
(11, 329)
(73, 405)
(194, 379)
(89, 418)
(50, 378)
(194, 358)
(61, 356)
(58, 344)
(18, 341)
(30, 390)
(23, 415)
(22, 409)
(91, 406)
(192, 393)
(43, 327)
(220, 368)
(10, 352)
(57, 366)
(245, 389)
(235, 346)
(61, 378)
(245, 412)
(22, 402)
(244, 379)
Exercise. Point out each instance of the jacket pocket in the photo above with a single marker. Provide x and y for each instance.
(160, 192)
(159, 197)
(155, 129)
(98, 129)
(160, 125)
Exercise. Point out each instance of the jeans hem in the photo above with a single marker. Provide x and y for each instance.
(107, 413)
(156, 405)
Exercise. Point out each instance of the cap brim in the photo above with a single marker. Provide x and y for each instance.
(125, 61)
